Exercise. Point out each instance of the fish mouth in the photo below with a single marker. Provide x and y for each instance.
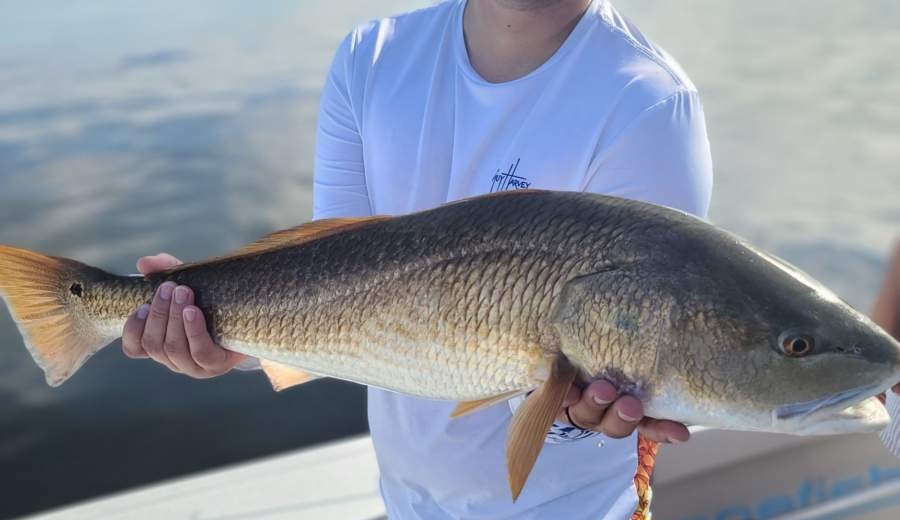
(850, 411)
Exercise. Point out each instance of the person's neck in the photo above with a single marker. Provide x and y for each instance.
(507, 39)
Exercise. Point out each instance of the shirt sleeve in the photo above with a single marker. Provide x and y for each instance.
(662, 157)
(339, 178)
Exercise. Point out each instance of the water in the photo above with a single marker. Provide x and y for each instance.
(128, 128)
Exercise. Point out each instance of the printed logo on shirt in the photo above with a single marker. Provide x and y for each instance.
(508, 180)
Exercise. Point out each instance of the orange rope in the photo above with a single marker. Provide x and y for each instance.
(646, 459)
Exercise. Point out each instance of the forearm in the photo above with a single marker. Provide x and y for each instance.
(886, 311)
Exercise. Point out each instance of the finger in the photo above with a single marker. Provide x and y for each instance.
(155, 327)
(214, 359)
(595, 399)
(175, 344)
(159, 262)
(132, 332)
(664, 431)
(572, 396)
(622, 417)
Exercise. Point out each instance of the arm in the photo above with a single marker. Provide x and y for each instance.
(662, 157)
(886, 311)
(339, 181)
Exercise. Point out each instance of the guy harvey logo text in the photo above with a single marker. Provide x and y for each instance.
(508, 180)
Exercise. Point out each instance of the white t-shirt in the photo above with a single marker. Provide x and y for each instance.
(407, 124)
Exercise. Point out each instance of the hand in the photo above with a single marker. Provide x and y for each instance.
(172, 331)
(599, 408)
(886, 311)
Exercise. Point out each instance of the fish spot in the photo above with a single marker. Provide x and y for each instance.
(76, 289)
(626, 322)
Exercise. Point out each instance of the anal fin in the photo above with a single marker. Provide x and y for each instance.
(283, 376)
(467, 407)
(532, 421)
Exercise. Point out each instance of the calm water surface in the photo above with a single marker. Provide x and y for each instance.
(128, 128)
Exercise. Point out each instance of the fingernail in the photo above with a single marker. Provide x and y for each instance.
(625, 417)
(181, 294)
(143, 311)
(673, 440)
(165, 291)
(600, 401)
(189, 314)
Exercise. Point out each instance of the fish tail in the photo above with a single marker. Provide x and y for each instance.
(43, 294)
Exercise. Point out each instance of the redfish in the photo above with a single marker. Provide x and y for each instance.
(488, 298)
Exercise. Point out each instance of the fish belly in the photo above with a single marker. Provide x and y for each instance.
(430, 368)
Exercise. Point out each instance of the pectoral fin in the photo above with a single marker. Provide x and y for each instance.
(283, 376)
(532, 421)
(467, 407)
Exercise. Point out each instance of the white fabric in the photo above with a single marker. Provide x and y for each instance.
(559, 431)
(890, 436)
(406, 124)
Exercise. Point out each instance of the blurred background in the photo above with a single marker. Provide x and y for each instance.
(129, 128)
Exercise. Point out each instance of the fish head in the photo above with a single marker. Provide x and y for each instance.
(769, 348)
(828, 370)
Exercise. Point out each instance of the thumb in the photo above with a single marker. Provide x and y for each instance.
(159, 262)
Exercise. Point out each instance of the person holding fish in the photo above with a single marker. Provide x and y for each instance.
(457, 100)
(462, 99)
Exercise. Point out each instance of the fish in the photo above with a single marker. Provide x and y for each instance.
(519, 293)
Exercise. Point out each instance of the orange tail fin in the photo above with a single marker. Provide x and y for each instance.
(42, 293)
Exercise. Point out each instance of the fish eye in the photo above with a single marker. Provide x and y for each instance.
(797, 345)
(76, 289)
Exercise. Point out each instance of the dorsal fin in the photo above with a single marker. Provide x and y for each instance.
(305, 233)
(494, 194)
(286, 237)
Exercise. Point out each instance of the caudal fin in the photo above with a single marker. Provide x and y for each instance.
(43, 293)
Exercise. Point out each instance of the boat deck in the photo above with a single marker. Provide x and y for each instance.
(716, 475)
